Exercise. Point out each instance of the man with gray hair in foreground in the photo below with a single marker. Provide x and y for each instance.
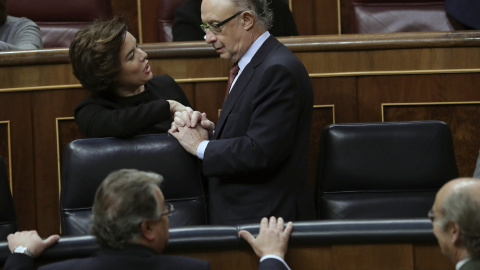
(130, 223)
(456, 222)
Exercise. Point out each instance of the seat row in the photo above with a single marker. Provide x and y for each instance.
(368, 171)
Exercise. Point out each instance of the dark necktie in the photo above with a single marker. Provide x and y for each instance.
(231, 77)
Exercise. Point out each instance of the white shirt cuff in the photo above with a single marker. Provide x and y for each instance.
(268, 256)
(201, 149)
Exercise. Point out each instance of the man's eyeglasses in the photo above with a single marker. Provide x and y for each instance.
(169, 209)
(430, 215)
(216, 28)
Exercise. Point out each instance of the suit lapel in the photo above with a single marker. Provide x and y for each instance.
(242, 82)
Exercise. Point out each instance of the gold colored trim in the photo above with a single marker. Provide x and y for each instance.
(327, 106)
(139, 14)
(314, 107)
(47, 87)
(9, 154)
(396, 72)
(211, 79)
(58, 150)
(339, 17)
(383, 105)
(290, 5)
(312, 75)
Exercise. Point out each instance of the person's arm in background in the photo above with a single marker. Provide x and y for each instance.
(34, 246)
(23, 34)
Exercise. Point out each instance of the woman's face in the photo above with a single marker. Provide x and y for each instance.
(135, 70)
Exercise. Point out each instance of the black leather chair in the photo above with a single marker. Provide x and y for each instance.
(389, 16)
(8, 218)
(383, 170)
(88, 161)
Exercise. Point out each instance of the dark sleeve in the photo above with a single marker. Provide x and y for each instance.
(186, 24)
(95, 119)
(18, 261)
(271, 264)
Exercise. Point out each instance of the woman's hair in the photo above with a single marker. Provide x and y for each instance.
(123, 201)
(94, 54)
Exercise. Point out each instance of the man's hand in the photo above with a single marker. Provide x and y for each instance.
(190, 138)
(190, 118)
(272, 238)
(32, 241)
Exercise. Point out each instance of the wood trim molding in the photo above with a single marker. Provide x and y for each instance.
(321, 43)
(383, 105)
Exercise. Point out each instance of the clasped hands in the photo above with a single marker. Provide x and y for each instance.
(190, 128)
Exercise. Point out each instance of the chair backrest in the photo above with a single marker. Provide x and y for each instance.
(88, 161)
(59, 20)
(8, 218)
(383, 170)
(166, 14)
(389, 16)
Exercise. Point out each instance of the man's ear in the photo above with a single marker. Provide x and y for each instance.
(147, 232)
(454, 231)
(248, 20)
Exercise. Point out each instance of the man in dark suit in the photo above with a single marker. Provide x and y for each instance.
(130, 223)
(456, 222)
(256, 160)
(186, 25)
(464, 11)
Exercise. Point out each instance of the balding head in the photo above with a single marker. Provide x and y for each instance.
(457, 218)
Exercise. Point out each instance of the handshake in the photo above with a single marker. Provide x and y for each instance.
(191, 128)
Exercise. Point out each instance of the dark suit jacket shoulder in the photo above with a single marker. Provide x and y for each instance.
(473, 264)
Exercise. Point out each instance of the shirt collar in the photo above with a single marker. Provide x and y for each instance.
(247, 57)
(461, 263)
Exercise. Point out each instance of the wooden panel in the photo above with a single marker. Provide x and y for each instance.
(323, 115)
(51, 104)
(149, 11)
(67, 131)
(189, 90)
(371, 257)
(209, 98)
(413, 89)
(129, 10)
(462, 119)
(429, 257)
(16, 108)
(304, 16)
(326, 17)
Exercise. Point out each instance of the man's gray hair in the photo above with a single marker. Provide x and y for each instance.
(462, 206)
(123, 201)
(260, 10)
